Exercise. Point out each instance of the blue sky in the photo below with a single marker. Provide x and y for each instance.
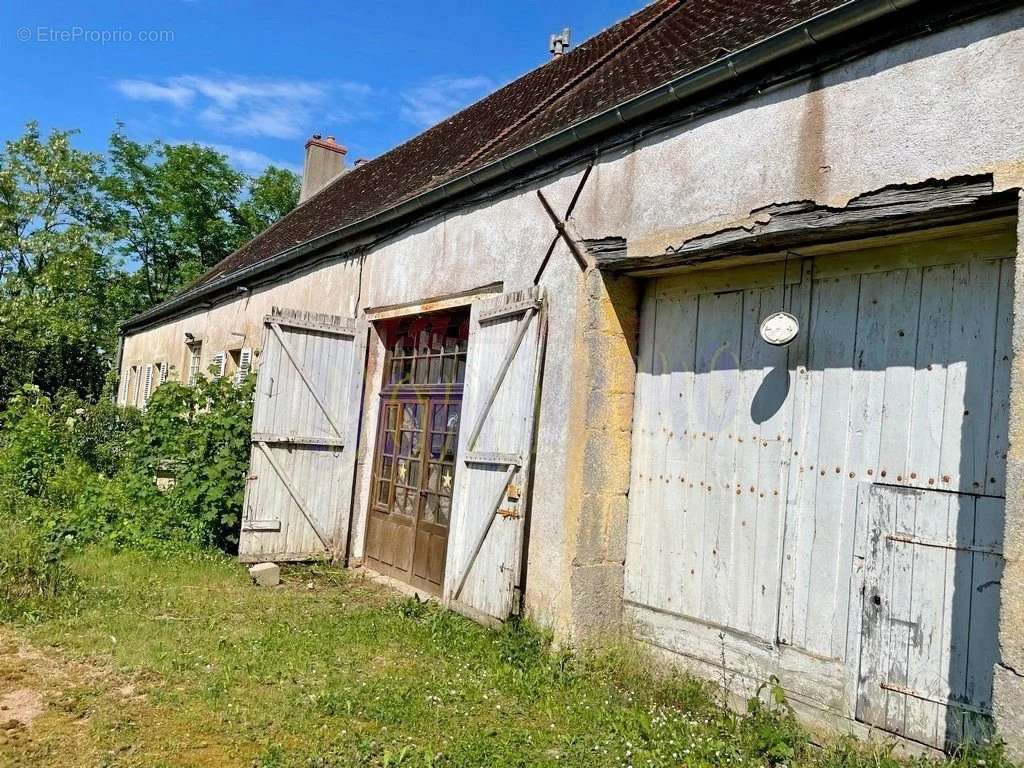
(256, 79)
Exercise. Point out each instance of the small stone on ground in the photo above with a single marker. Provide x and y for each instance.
(265, 574)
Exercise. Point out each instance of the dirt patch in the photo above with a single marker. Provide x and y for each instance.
(19, 708)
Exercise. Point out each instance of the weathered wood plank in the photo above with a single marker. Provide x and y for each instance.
(297, 440)
(998, 443)
(313, 390)
(314, 321)
(291, 430)
(485, 544)
(522, 327)
(779, 227)
(295, 494)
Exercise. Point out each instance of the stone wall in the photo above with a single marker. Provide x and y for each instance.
(607, 338)
(1008, 685)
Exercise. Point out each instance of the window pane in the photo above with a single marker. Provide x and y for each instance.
(447, 479)
(437, 418)
(410, 416)
(400, 500)
(383, 492)
(429, 508)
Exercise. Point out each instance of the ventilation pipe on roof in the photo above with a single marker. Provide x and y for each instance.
(560, 43)
(325, 161)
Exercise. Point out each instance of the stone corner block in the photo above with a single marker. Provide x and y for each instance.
(265, 574)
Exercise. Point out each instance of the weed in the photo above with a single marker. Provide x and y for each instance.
(345, 675)
(523, 646)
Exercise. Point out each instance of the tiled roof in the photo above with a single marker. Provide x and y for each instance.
(664, 40)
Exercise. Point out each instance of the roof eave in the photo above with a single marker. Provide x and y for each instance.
(807, 34)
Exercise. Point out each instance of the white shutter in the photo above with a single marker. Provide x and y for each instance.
(244, 365)
(137, 388)
(147, 384)
(490, 501)
(163, 372)
(217, 363)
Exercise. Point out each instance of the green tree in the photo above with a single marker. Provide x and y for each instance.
(88, 241)
(173, 210)
(60, 294)
(48, 204)
(272, 194)
(178, 209)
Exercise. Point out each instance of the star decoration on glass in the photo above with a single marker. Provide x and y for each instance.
(401, 470)
(446, 480)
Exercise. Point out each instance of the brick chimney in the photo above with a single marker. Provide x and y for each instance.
(325, 161)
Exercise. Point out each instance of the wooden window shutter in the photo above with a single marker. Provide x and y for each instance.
(130, 385)
(163, 372)
(147, 384)
(244, 365)
(217, 364)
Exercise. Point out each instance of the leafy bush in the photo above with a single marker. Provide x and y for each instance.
(200, 435)
(79, 473)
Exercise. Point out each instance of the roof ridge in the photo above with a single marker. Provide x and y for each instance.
(522, 119)
(586, 72)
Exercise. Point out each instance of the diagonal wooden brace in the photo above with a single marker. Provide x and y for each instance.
(297, 497)
(317, 396)
(582, 258)
(494, 512)
(560, 226)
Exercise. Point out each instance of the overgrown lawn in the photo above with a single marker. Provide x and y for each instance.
(179, 661)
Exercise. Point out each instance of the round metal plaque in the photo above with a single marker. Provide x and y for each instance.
(779, 328)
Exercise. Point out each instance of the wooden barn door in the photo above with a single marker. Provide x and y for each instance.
(931, 606)
(506, 350)
(752, 465)
(305, 422)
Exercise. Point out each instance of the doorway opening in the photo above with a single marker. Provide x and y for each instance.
(417, 436)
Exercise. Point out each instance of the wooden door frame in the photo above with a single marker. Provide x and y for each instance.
(426, 395)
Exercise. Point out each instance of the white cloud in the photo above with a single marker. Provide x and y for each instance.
(251, 161)
(439, 97)
(278, 108)
(143, 90)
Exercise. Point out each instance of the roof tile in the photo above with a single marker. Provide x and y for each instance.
(661, 41)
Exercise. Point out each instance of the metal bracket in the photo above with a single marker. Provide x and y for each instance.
(946, 702)
(906, 538)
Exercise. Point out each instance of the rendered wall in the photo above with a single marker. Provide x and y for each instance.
(938, 107)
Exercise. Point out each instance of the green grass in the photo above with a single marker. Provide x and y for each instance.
(180, 661)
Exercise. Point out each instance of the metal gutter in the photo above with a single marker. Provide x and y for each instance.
(805, 35)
